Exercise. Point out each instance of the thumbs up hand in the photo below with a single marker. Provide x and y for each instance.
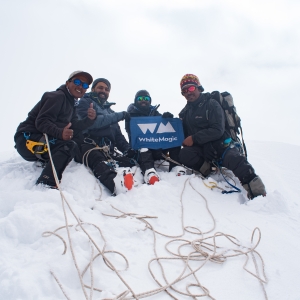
(91, 113)
(67, 133)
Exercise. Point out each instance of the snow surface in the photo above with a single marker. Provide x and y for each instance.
(30, 260)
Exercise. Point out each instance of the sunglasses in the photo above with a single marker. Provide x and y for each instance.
(143, 98)
(78, 82)
(191, 88)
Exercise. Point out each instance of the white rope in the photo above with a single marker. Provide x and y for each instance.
(79, 223)
(203, 249)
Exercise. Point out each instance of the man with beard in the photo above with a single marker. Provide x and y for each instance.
(55, 116)
(142, 108)
(207, 141)
(106, 132)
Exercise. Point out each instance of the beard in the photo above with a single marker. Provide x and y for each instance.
(102, 97)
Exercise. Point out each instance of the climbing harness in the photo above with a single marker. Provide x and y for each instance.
(35, 147)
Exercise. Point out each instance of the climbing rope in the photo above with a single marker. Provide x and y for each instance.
(204, 249)
(79, 223)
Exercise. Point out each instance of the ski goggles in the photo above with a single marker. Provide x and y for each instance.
(191, 88)
(143, 98)
(78, 82)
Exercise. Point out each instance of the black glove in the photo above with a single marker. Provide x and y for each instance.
(130, 153)
(167, 115)
(209, 152)
(126, 116)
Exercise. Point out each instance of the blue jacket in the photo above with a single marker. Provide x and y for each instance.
(106, 125)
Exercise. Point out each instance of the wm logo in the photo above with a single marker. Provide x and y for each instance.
(161, 129)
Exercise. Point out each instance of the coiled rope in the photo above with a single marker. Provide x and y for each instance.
(203, 249)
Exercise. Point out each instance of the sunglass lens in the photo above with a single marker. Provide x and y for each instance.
(85, 85)
(192, 88)
(143, 98)
(189, 89)
(77, 82)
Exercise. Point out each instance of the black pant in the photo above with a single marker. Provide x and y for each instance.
(62, 153)
(192, 157)
(98, 162)
(146, 159)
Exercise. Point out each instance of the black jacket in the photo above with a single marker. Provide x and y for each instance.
(134, 111)
(105, 128)
(52, 114)
(204, 120)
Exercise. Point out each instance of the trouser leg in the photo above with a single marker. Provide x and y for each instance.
(191, 157)
(23, 150)
(96, 161)
(62, 152)
(242, 169)
(238, 164)
(146, 160)
(174, 155)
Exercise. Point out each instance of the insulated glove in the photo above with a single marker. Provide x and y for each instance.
(167, 115)
(126, 116)
(209, 152)
(130, 153)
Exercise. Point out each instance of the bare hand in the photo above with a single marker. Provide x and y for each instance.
(67, 133)
(188, 141)
(91, 113)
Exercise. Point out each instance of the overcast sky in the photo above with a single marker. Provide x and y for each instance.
(248, 48)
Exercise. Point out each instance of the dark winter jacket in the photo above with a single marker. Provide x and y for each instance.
(52, 114)
(134, 111)
(106, 124)
(204, 120)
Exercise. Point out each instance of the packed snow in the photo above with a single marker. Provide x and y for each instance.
(151, 237)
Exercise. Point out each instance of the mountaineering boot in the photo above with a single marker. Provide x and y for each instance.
(179, 170)
(123, 181)
(255, 188)
(128, 179)
(151, 176)
(46, 182)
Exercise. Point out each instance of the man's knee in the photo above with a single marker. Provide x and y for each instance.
(191, 157)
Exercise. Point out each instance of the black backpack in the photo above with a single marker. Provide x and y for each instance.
(232, 120)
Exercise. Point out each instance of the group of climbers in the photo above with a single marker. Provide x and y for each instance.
(82, 126)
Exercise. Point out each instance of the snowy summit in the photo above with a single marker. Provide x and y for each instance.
(178, 239)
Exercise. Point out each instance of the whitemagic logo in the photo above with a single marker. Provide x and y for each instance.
(161, 129)
(157, 140)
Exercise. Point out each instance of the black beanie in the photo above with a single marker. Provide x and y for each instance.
(142, 93)
(101, 80)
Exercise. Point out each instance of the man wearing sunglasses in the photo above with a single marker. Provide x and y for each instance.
(203, 122)
(106, 131)
(142, 108)
(55, 116)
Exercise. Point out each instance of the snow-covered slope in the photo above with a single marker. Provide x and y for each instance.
(30, 260)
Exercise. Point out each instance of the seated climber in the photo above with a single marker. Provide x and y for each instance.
(55, 116)
(105, 133)
(142, 108)
(206, 138)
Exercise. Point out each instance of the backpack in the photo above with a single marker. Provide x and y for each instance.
(232, 119)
